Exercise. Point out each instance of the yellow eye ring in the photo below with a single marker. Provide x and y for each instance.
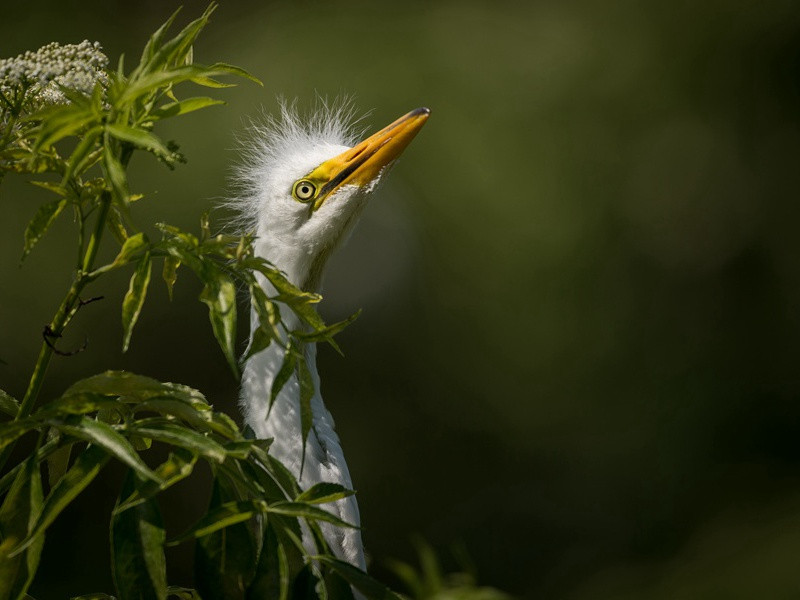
(304, 190)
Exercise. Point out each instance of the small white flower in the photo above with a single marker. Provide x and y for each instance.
(74, 66)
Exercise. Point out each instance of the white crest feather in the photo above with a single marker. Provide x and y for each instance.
(271, 143)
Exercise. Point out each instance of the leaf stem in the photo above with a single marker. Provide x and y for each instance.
(61, 319)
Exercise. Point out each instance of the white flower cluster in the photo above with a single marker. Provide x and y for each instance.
(74, 66)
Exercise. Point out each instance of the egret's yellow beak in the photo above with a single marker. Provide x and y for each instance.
(362, 163)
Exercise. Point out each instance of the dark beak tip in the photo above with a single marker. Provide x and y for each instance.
(421, 111)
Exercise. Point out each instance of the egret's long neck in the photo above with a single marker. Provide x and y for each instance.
(324, 458)
(283, 421)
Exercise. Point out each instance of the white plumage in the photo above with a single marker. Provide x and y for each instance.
(303, 185)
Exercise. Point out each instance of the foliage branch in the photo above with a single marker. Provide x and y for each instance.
(77, 140)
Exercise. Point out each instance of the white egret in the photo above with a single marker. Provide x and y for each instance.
(305, 185)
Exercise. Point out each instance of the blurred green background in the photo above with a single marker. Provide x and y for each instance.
(579, 350)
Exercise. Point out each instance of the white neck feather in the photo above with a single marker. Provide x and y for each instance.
(324, 458)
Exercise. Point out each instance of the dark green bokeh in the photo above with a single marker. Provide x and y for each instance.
(579, 347)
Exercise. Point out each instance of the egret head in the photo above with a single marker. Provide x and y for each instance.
(306, 184)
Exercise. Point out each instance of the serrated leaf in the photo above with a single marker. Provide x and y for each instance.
(371, 588)
(56, 188)
(40, 223)
(175, 51)
(170, 273)
(178, 435)
(284, 375)
(8, 404)
(306, 394)
(81, 474)
(61, 122)
(12, 430)
(178, 466)
(307, 511)
(210, 82)
(219, 294)
(199, 416)
(115, 174)
(79, 156)
(155, 42)
(225, 559)
(325, 334)
(271, 579)
(323, 492)
(173, 109)
(18, 514)
(132, 245)
(105, 436)
(139, 137)
(224, 515)
(260, 339)
(137, 548)
(134, 299)
(221, 67)
(58, 461)
(115, 226)
(131, 386)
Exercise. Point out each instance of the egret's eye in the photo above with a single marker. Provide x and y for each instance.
(304, 190)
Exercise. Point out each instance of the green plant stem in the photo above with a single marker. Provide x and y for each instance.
(63, 316)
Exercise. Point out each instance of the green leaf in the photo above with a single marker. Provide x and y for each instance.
(80, 404)
(199, 416)
(225, 68)
(19, 512)
(14, 429)
(8, 405)
(284, 375)
(105, 436)
(170, 272)
(42, 453)
(219, 294)
(134, 299)
(145, 84)
(224, 515)
(137, 548)
(211, 83)
(307, 511)
(78, 158)
(122, 384)
(81, 474)
(225, 559)
(56, 188)
(371, 588)
(155, 42)
(178, 435)
(115, 226)
(178, 466)
(131, 246)
(271, 579)
(306, 394)
(182, 593)
(321, 493)
(268, 318)
(40, 223)
(61, 122)
(115, 173)
(173, 109)
(177, 50)
(139, 137)
(58, 461)
(325, 334)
